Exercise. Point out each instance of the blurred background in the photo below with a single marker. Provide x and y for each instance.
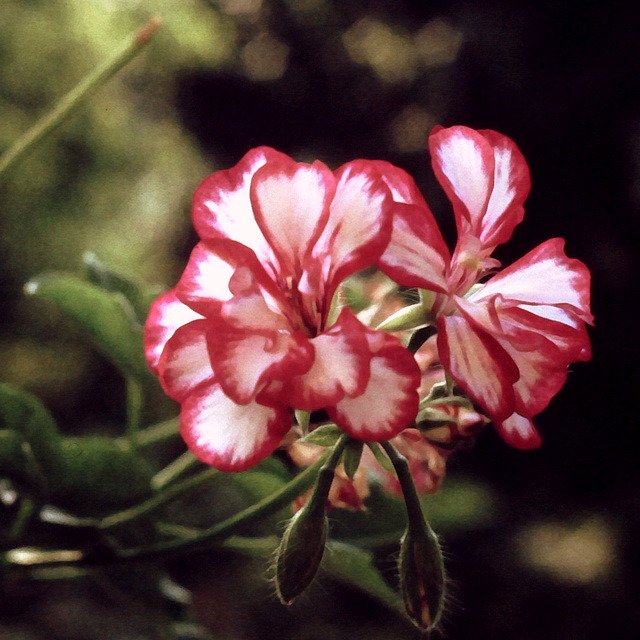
(551, 548)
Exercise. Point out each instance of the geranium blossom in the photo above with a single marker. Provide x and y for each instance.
(250, 331)
(508, 342)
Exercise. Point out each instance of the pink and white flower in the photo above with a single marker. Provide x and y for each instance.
(508, 342)
(250, 332)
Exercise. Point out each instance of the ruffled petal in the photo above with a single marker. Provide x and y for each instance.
(479, 365)
(359, 224)
(222, 204)
(544, 276)
(167, 313)
(340, 366)
(185, 362)
(219, 270)
(518, 432)
(246, 361)
(291, 204)
(389, 403)
(227, 435)
(416, 255)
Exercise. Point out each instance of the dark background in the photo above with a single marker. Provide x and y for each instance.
(563, 80)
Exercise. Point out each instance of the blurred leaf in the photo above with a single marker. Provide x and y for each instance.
(139, 296)
(107, 317)
(23, 414)
(97, 475)
(355, 567)
(12, 459)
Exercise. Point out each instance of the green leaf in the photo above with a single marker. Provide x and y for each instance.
(381, 457)
(139, 296)
(13, 461)
(107, 317)
(97, 476)
(38, 437)
(355, 567)
(325, 435)
(351, 457)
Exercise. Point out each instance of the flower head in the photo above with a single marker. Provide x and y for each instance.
(508, 341)
(250, 331)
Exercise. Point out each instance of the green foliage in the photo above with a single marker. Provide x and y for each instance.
(107, 317)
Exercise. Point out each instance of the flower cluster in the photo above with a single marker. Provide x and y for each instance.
(253, 330)
(257, 328)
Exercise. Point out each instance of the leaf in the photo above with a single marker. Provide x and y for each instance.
(97, 476)
(381, 457)
(107, 317)
(13, 461)
(139, 296)
(351, 457)
(324, 436)
(23, 414)
(355, 567)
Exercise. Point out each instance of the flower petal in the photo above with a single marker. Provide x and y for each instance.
(167, 313)
(359, 225)
(464, 165)
(291, 204)
(389, 402)
(511, 187)
(340, 366)
(222, 204)
(478, 364)
(518, 432)
(544, 276)
(227, 435)
(245, 361)
(219, 270)
(185, 362)
(417, 255)
(486, 178)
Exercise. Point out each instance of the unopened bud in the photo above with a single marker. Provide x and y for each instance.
(300, 551)
(422, 577)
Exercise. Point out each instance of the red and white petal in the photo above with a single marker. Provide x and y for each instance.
(221, 270)
(247, 361)
(291, 204)
(359, 224)
(222, 204)
(167, 313)
(340, 366)
(518, 432)
(389, 402)
(227, 435)
(544, 276)
(464, 164)
(185, 362)
(511, 186)
(402, 185)
(478, 364)
(416, 255)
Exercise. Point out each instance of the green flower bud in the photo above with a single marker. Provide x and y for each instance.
(300, 552)
(422, 576)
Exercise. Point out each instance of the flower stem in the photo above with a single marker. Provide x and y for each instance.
(173, 470)
(97, 77)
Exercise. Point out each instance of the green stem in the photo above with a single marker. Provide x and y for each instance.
(416, 519)
(154, 434)
(135, 401)
(173, 470)
(70, 101)
(145, 507)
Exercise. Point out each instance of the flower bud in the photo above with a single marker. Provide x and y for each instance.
(300, 552)
(422, 577)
